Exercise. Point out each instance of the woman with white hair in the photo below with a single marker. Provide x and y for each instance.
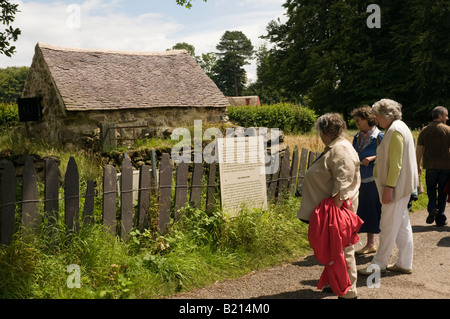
(396, 178)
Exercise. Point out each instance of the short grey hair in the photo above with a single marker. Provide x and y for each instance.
(438, 110)
(389, 109)
(331, 124)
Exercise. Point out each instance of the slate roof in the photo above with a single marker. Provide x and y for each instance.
(110, 80)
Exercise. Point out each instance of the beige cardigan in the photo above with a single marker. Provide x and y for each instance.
(337, 170)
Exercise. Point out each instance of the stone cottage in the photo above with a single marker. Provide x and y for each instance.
(125, 94)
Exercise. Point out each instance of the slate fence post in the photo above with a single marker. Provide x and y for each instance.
(170, 186)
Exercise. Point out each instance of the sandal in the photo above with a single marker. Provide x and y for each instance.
(364, 251)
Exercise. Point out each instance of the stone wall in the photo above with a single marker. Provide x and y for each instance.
(39, 83)
(127, 125)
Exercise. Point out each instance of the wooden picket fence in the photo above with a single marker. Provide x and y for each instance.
(26, 210)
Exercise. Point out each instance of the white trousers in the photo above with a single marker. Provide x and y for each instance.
(395, 229)
(349, 254)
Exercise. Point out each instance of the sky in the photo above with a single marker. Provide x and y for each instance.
(138, 25)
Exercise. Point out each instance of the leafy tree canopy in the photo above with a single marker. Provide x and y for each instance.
(326, 52)
(185, 46)
(186, 3)
(9, 34)
(235, 49)
(12, 81)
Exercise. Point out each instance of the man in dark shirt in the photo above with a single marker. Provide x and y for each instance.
(433, 145)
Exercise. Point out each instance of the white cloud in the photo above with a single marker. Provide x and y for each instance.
(100, 5)
(104, 24)
(99, 27)
(264, 2)
(253, 25)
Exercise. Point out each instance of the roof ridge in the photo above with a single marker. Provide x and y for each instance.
(86, 50)
(89, 79)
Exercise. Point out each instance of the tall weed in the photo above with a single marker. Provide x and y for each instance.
(200, 248)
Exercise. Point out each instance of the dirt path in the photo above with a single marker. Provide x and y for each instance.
(430, 278)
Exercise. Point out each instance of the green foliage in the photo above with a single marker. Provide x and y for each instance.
(12, 81)
(35, 266)
(267, 85)
(15, 143)
(290, 118)
(9, 115)
(235, 49)
(186, 3)
(326, 51)
(207, 61)
(185, 46)
(199, 249)
(9, 34)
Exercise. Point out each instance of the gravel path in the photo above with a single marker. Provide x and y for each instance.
(298, 280)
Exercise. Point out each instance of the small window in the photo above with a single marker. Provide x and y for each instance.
(30, 109)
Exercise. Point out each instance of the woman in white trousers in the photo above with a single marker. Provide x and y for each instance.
(396, 177)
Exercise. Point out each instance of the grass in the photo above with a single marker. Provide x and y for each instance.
(198, 250)
(14, 143)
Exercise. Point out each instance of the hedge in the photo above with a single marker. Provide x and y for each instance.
(9, 115)
(290, 118)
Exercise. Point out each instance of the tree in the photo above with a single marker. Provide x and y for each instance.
(12, 81)
(265, 86)
(322, 43)
(186, 3)
(8, 11)
(325, 51)
(185, 46)
(208, 62)
(235, 51)
(422, 38)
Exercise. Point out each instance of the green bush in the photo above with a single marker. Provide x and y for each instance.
(304, 119)
(290, 118)
(9, 115)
